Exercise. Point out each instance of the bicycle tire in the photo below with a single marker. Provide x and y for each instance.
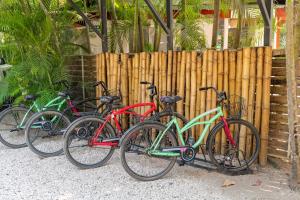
(4, 114)
(70, 133)
(212, 138)
(29, 133)
(124, 147)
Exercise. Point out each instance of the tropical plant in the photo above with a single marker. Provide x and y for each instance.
(36, 35)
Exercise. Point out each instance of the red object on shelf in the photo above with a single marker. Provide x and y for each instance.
(211, 12)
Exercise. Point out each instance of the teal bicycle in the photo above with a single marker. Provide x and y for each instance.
(150, 149)
(13, 120)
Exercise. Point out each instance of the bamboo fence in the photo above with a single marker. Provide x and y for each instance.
(244, 72)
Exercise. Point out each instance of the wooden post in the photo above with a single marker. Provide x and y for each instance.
(198, 98)
(181, 82)
(130, 69)
(174, 72)
(193, 87)
(187, 84)
(209, 83)
(244, 92)
(251, 97)
(239, 70)
(265, 105)
(124, 85)
(220, 74)
(226, 89)
(203, 84)
(169, 71)
(232, 72)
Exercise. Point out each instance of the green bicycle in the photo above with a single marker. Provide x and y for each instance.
(13, 120)
(149, 150)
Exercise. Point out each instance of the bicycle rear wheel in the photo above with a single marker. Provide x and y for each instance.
(11, 134)
(76, 143)
(231, 158)
(137, 162)
(44, 133)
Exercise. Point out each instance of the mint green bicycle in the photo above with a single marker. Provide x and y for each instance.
(13, 119)
(150, 149)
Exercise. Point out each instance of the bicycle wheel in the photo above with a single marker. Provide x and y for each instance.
(44, 133)
(165, 116)
(11, 132)
(134, 155)
(228, 157)
(76, 143)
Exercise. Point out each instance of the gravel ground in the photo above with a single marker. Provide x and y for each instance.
(26, 176)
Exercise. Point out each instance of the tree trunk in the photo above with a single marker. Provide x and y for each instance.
(157, 36)
(291, 57)
(237, 37)
(216, 23)
(115, 26)
(136, 27)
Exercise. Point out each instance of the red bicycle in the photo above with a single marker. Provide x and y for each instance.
(90, 141)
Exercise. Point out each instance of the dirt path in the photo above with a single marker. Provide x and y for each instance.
(25, 176)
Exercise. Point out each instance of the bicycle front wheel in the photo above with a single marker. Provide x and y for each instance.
(135, 158)
(12, 123)
(44, 133)
(76, 144)
(238, 157)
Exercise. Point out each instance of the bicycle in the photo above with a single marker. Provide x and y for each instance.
(147, 159)
(13, 119)
(90, 141)
(44, 130)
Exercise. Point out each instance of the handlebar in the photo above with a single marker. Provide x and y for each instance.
(221, 95)
(152, 88)
(103, 85)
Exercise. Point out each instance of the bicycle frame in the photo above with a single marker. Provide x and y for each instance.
(121, 111)
(57, 102)
(153, 149)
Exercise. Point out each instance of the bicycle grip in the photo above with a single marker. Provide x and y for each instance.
(144, 82)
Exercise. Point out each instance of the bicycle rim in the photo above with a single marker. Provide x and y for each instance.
(135, 158)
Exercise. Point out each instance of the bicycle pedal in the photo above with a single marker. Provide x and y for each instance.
(181, 163)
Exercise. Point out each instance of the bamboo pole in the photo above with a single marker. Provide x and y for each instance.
(220, 73)
(164, 73)
(226, 89)
(209, 82)
(181, 82)
(124, 85)
(203, 84)
(187, 84)
(239, 71)
(245, 87)
(193, 88)
(156, 69)
(258, 97)
(251, 97)
(174, 72)
(103, 68)
(265, 105)
(130, 66)
(107, 59)
(198, 97)
(98, 75)
(169, 71)
(136, 84)
(151, 72)
(142, 78)
(114, 70)
(232, 72)
(178, 67)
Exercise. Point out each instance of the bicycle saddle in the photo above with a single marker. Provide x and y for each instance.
(63, 94)
(109, 99)
(31, 97)
(170, 99)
